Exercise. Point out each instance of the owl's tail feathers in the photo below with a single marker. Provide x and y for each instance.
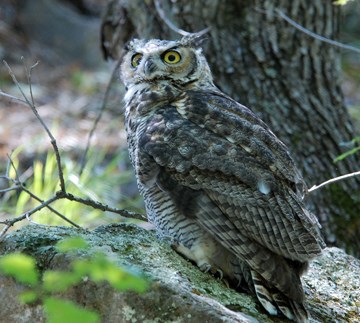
(275, 302)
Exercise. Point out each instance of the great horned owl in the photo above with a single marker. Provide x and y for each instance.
(215, 178)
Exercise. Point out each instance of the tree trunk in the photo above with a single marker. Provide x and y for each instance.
(291, 80)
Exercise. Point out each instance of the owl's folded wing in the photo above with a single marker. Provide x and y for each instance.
(237, 124)
(228, 158)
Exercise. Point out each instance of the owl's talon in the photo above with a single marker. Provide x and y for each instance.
(205, 267)
(219, 274)
(225, 282)
(216, 272)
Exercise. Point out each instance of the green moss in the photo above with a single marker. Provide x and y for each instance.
(133, 247)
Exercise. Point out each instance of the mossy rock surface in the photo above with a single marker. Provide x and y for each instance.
(178, 292)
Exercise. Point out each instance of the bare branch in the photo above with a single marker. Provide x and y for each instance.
(49, 207)
(8, 166)
(333, 180)
(10, 223)
(43, 203)
(171, 25)
(12, 188)
(32, 211)
(13, 97)
(32, 221)
(62, 194)
(293, 23)
(34, 110)
(28, 74)
(4, 230)
(102, 207)
(11, 164)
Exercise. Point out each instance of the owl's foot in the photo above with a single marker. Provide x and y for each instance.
(207, 268)
(200, 258)
(216, 272)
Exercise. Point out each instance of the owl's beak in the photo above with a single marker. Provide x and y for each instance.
(149, 68)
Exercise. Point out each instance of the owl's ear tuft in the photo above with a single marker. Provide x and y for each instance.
(195, 39)
(130, 45)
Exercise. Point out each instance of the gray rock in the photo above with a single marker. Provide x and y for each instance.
(59, 34)
(178, 292)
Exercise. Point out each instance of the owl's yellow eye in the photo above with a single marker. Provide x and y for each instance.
(172, 57)
(135, 59)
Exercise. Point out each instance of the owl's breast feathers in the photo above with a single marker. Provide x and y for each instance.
(226, 169)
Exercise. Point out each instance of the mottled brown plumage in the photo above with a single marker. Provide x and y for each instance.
(215, 179)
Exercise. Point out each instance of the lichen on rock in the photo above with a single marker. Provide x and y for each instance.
(179, 291)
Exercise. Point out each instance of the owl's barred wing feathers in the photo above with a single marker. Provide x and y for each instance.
(238, 124)
(230, 153)
(227, 170)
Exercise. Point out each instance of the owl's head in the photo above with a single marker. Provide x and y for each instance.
(152, 61)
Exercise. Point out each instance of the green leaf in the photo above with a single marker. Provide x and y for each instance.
(346, 154)
(59, 281)
(60, 311)
(28, 296)
(71, 244)
(101, 269)
(130, 282)
(21, 267)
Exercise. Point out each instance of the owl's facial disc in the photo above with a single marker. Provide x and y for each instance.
(154, 61)
(151, 65)
(168, 59)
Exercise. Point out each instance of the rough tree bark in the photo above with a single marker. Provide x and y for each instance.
(291, 80)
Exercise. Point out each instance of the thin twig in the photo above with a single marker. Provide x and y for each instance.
(4, 230)
(167, 21)
(9, 189)
(62, 193)
(10, 223)
(102, 207)
(39, 207)
(17, 83)
(101, 111)
(171, 25)
(30, 220)
(50, 208)
(8, 166)
(333, 180)
(34, 110)
(9, 96)
(293, 23)
(33, 210)
(22, 186)
(17, 177)
(28, 73)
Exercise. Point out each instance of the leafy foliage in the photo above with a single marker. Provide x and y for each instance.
(59, 311)
(101, 269)
(21, 267)
(71, 244)
(98, 269)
